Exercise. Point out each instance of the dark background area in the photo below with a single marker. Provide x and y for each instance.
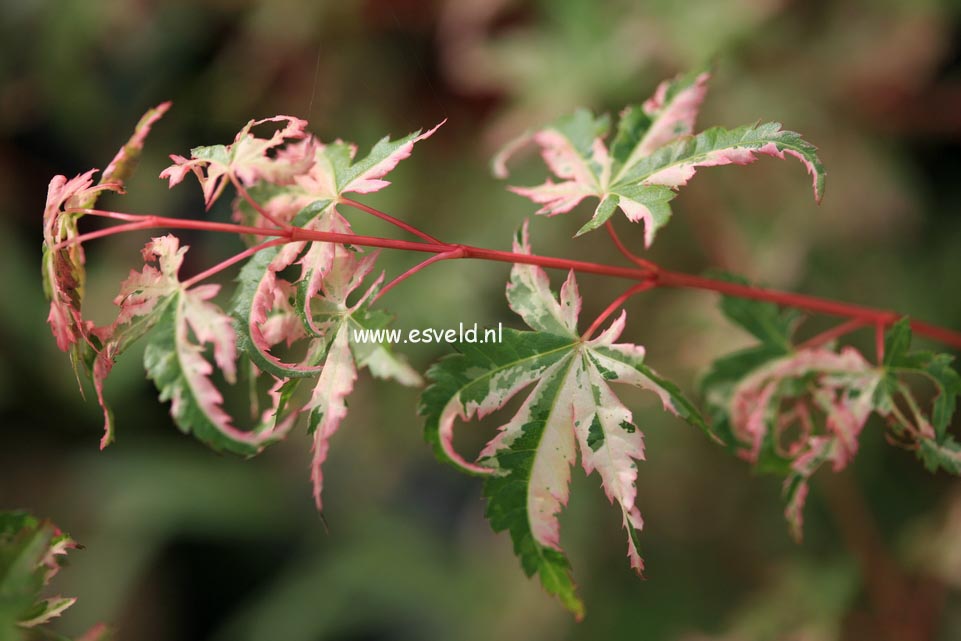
(184, 544)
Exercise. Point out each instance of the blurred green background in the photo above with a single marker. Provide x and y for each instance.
(185, 545)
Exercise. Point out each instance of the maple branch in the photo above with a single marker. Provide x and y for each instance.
(100, 233)
(151, 221)
(660, 278)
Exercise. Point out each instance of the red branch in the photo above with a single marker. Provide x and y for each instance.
(649, 275)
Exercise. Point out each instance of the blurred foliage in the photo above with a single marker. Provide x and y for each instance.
(183, 544)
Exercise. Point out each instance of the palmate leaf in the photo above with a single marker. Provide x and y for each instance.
(789, 410)
(31, 553)
(773, 327)
(269, 311)
(63, 267)
(333, 311)
(246, 159)
(294, 330)
(570, 408)
(653, 153)
(184, 322)
(326, 172)
(335, 170)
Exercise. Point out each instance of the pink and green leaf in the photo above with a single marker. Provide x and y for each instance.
(63, 267)
(335, 172)
(327, 406)
(142, 299)
(63, 260)
(663, 118)
(125, 162)
(175, 361)
(31, 554)
(653, 153)
(571, 405)
(247, 159)
(673, 165)
(823, 398)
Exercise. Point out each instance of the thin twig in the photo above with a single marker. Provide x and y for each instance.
(620, 300)
(393, 221)
(236, 258)
(457, 253)
(253, 203)
(835, 332)
(631, 256)
(879, 342)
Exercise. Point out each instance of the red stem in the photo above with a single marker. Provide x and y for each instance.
(253, 203)
(393, 221)
(236, 258)
(100, 233)
(416, 268)
(631, 256)
(789, 299)
(658, 278)
(620, 300)
(835, 332)
(149, 221)
(879, 342)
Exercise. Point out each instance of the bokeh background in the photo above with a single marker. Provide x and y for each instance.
(185, 545)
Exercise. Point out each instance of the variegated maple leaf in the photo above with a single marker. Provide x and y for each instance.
(571, 407)
(335, 170)
(63, 267)
(776, 407)
(247, 159)
(31, 553)
(327, 172)
(63, 260)
(653, 153)
(184, 322)
(273, 313)
(789, 410)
